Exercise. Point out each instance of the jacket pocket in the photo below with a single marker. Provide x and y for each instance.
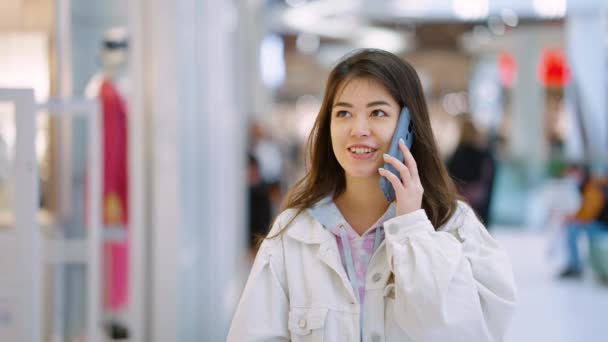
(307, 324)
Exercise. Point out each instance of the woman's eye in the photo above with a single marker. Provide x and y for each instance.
(342, 113)
(379, 112)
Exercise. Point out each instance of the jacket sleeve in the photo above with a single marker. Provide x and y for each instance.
(262, 312)
(454, 285)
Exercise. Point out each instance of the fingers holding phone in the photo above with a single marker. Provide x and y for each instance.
(408, 190)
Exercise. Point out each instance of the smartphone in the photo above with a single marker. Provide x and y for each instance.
(405, 131)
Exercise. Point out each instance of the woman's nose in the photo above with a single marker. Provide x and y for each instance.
(360, 127)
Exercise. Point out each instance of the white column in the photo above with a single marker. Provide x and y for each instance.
(139, 269)
(63, 165)
(252, 30)
(586, 32)
(527, 143)
(195, 163)
(162, 113)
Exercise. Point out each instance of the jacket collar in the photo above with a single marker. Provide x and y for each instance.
(323, 216)
(327, 213)
(308, 229)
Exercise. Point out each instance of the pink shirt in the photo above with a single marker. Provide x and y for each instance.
(361, 247)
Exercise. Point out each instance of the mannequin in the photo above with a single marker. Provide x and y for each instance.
(113, 59)
(110, 87)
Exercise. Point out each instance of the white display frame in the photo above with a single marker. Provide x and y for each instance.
(21, 291)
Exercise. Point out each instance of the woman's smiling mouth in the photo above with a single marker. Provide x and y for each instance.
(361, 152)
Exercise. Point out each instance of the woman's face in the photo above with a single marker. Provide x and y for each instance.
(363, 118)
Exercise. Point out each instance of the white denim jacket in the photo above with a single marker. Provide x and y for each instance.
(453, 284)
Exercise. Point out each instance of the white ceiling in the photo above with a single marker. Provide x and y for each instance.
(335, 18)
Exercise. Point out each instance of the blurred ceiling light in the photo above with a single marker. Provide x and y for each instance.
(338, 19)
(314, 24)
(308, 43)
(272, 61)
(509, 17)
(295, 3)
(496, 25)
(411, 7)
(324, 18)
(470, 9)
(550, 8)
(381, 39)
(300, 19)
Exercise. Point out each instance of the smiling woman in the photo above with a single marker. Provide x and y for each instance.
(343, 264)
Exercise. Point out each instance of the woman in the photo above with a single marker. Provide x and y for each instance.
(472, 166)
(342, 264)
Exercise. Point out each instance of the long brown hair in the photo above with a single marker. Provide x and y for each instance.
(326, 176)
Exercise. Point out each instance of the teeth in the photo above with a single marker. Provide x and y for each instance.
(361, 150)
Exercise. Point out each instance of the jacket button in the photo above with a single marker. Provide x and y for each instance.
(394, 229)
(376, 278)
(376, 337)
(302, 323)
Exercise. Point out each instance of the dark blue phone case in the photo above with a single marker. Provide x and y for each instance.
(404, 130)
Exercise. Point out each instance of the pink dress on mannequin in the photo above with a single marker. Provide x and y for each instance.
(115, 195)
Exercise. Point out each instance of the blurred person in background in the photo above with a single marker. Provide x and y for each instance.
(472, 167)
(260, 209)
(342, 264)
(270, 161)
(591, 217)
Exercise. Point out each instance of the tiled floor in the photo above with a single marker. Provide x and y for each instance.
(549, 309)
